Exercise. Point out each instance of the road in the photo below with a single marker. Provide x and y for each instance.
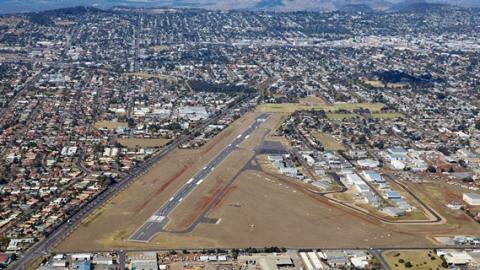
(159, 219)
(65, 227)
(19, 93)
(377, 254)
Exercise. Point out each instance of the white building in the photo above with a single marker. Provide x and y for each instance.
(471, 198)
(193, 113)
(143, 260)
(455, 257)
(81, 256)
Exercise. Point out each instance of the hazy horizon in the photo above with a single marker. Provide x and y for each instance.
(18, 6)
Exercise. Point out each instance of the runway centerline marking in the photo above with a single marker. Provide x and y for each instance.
(159, 219)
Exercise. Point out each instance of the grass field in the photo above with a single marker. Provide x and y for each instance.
(292, 107)
(419, 259)
(110, 124)
(380, 84)
(327, 141)
(374, 83)
(140, 142)
(386, 115)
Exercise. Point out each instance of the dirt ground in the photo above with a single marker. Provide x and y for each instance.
(113, 223)
(139, 142)
(328, 141)
(110, 124)
(257, 209)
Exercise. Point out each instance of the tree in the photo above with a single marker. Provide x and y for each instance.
(477, 124)
(235, 253)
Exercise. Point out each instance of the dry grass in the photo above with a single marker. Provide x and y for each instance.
(143, 143)
(312, 101)
(122, 215)
(327, 141)
(259, 209)
(386, 115)
(110, 124)
(420, 259)
(191, 208)
(291, 107)
(374, 83)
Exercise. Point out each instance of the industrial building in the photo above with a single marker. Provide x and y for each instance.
(143, 260)
(472, 198)
(266, 261)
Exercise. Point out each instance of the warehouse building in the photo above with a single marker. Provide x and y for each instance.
(471, 198)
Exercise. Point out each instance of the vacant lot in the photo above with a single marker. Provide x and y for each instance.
(413, 259)
(327, 141)
(140, 142)
(291, 107)
(437, 194)
(374, 83)
(312, 101)
(110, 124)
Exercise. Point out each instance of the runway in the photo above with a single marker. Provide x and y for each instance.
(159, 219)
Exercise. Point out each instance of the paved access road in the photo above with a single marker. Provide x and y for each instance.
(159, 219)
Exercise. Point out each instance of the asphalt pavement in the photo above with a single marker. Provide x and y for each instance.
(159, 219)
(60, 231)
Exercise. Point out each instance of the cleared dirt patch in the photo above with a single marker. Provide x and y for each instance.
(141, 142)
(110, 124)
(328, 141)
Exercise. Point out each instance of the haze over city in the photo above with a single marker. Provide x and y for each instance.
(11, 6)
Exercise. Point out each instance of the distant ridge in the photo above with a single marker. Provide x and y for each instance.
(45, 17)
(78, 10)
(356, 8)
(417, 6)
(25, 6)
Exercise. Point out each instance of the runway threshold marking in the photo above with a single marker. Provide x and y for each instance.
(161, 214)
